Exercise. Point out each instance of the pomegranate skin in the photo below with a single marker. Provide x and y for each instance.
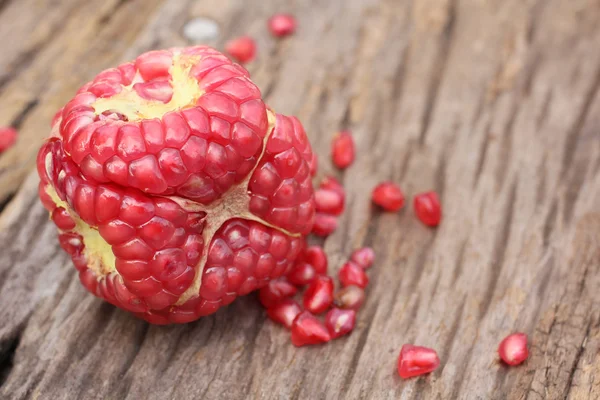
(174, 188)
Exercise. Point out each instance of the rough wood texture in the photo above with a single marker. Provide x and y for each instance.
(494, 104)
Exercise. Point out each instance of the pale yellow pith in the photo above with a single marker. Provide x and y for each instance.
(186, 93)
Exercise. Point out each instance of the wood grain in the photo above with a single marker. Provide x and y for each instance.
(494, 104)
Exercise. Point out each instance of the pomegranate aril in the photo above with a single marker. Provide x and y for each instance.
(364, 257)
(513, 349)
(324, 224)
(342, 150)
(242, 49)
(353, 274)
(329, 182)
(8, 137)
(275, 292)
(428, 209)
(416, 360)
(307, 330)
(285, 312)
(388, 196)
(315, 256)
(282, 25)
(329, 201)
(340, 322)
(350, 297)
(302, 274)
(319, 295)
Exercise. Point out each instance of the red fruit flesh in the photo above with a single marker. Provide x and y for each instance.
(242, 49)
(282, 25)
(275, 292)
(329, 201)
(319, 295)
(302, 274)
(315, 256)
(388, 196)
(416, 360)
(8, 137)
(342, 150)
(513, 349)
(428, 209)
(308, 330)
(152, 175)
(364, 257)
(352, 274)
(340, 322)
(285, 312)
(324, 224)
(350, 297)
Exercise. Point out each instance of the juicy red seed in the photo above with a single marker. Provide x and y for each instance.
(282, 25)
(329, 182)
(302, 274)
(243, 49)
(388, 196)
(324, 224)
(353, 274)
(342, 150)
(275, 292)
(315, 256)
(428, 209)
(62, 219)
(319, 295)
(329, 201)
(350, 297)
(307, 330)
(364, 257)
(340, 322)
(416, 360)
(8, 137)
(513, 349)
(285, 312)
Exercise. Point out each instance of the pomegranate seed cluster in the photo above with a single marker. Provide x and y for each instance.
(174, 188)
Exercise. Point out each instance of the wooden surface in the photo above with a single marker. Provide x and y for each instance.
(494, 104)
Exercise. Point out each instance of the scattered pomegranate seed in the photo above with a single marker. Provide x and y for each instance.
(307, 329)
(513, 349)
(243, 49)
(275, 292)
(350, 297)
(329, 201)
(340, 322)
(416, 360)
(285, 312)
(8, 137)
(302, 274)
(329, 182)
(342, 150)
(282, 25)
(428, 209)
(319, 295)
(364, 257)
(388, 196)
(353, 274)
(315, 256)
(324, 224)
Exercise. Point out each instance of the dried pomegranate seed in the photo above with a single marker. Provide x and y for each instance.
(340, 322)
(8, 137)
(388, 196)
(242, 49)
(416, 360)
(307, 329)
(364, 257)
(302, 274)
(285, 312)
(282, 25)
(329, 201)
(513, 349)
(428, 209)
(275, 292)
(342, 149)
(350, 297)
(325, 224)
(315, 256)
(353, 274)
(319, 295)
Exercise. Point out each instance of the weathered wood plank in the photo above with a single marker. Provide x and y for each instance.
(493, 104)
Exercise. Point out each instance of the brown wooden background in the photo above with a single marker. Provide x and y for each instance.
(493, 103)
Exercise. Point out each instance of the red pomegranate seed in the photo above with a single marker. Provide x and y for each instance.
(342, 150)
(513, 349)
(416, 360)
(302, 274)
(325, 224)
(319, 295)
(282, 25)
(8, 137)
(340, 322)
(352, 274)
(285, 312)
(307, 329)
(329, 182)
(329, 201)
(388, 196)
(428, 209)
(364, 257)
(351, 297)
(243, 49)
(275, 292)
(315, 256)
